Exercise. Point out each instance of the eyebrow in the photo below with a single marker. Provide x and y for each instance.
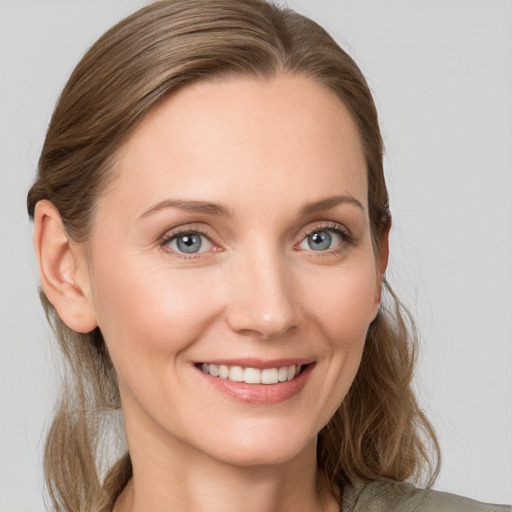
(217, 209)
(190, 206)
(330, 202)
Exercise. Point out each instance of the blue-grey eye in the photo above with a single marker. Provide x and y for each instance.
(190, 243)
(322, 240)
(319, 241)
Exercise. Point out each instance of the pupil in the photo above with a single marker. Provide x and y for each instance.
(320, 240)
(189, 243)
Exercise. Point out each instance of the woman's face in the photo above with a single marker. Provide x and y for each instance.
(232, 249)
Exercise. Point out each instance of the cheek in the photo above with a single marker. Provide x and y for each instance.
(148, 310)
(344, 300)
(341, 302)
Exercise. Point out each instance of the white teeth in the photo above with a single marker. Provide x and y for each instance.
(252, 375)
(236, 374)
(270, 376)
(214, 370)
(223, 371)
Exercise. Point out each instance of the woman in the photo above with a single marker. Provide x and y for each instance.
(211, 226)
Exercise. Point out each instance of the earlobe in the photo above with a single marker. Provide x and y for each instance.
(62, 270)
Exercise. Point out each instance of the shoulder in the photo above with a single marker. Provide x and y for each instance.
(383, 496)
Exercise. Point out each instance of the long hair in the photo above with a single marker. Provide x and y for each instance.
(378, 431)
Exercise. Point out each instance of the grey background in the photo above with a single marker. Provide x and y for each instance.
(441, 74)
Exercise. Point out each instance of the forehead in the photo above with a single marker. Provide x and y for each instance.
(237, 138)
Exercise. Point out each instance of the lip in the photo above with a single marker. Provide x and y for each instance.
(261, 364)
(260, 394)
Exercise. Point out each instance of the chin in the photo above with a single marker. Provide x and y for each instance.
(259, 447)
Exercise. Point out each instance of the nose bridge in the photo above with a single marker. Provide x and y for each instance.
(262, 302)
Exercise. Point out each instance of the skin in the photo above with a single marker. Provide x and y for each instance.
(263, 150)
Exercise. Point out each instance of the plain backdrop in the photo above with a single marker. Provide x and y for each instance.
(441, 74)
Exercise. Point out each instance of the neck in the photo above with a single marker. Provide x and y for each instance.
(178, 478)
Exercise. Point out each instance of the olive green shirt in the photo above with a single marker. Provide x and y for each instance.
(383, 496)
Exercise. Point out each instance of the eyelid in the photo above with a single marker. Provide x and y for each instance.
(171, 234)
(201, 230)
(324, 225)
(327, 226)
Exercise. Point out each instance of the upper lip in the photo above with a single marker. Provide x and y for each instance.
(261, 364)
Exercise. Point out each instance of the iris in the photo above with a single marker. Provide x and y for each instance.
(319, 240)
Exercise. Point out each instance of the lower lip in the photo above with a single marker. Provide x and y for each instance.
(260, 394)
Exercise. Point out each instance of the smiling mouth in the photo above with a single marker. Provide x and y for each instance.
(252, 375)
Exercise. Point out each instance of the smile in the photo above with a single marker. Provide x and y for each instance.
(255, 381)
(252, 375)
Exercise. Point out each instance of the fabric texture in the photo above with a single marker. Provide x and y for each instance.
(385, 496)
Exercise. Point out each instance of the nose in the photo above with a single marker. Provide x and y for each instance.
(261, 299)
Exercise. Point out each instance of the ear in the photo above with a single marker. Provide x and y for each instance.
(382, 259)
(62, 269)
(383, 255)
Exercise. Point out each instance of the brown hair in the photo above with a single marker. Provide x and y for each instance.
(378, 431)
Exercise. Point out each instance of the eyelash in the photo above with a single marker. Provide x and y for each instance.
(170, 236)
(330, 226)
